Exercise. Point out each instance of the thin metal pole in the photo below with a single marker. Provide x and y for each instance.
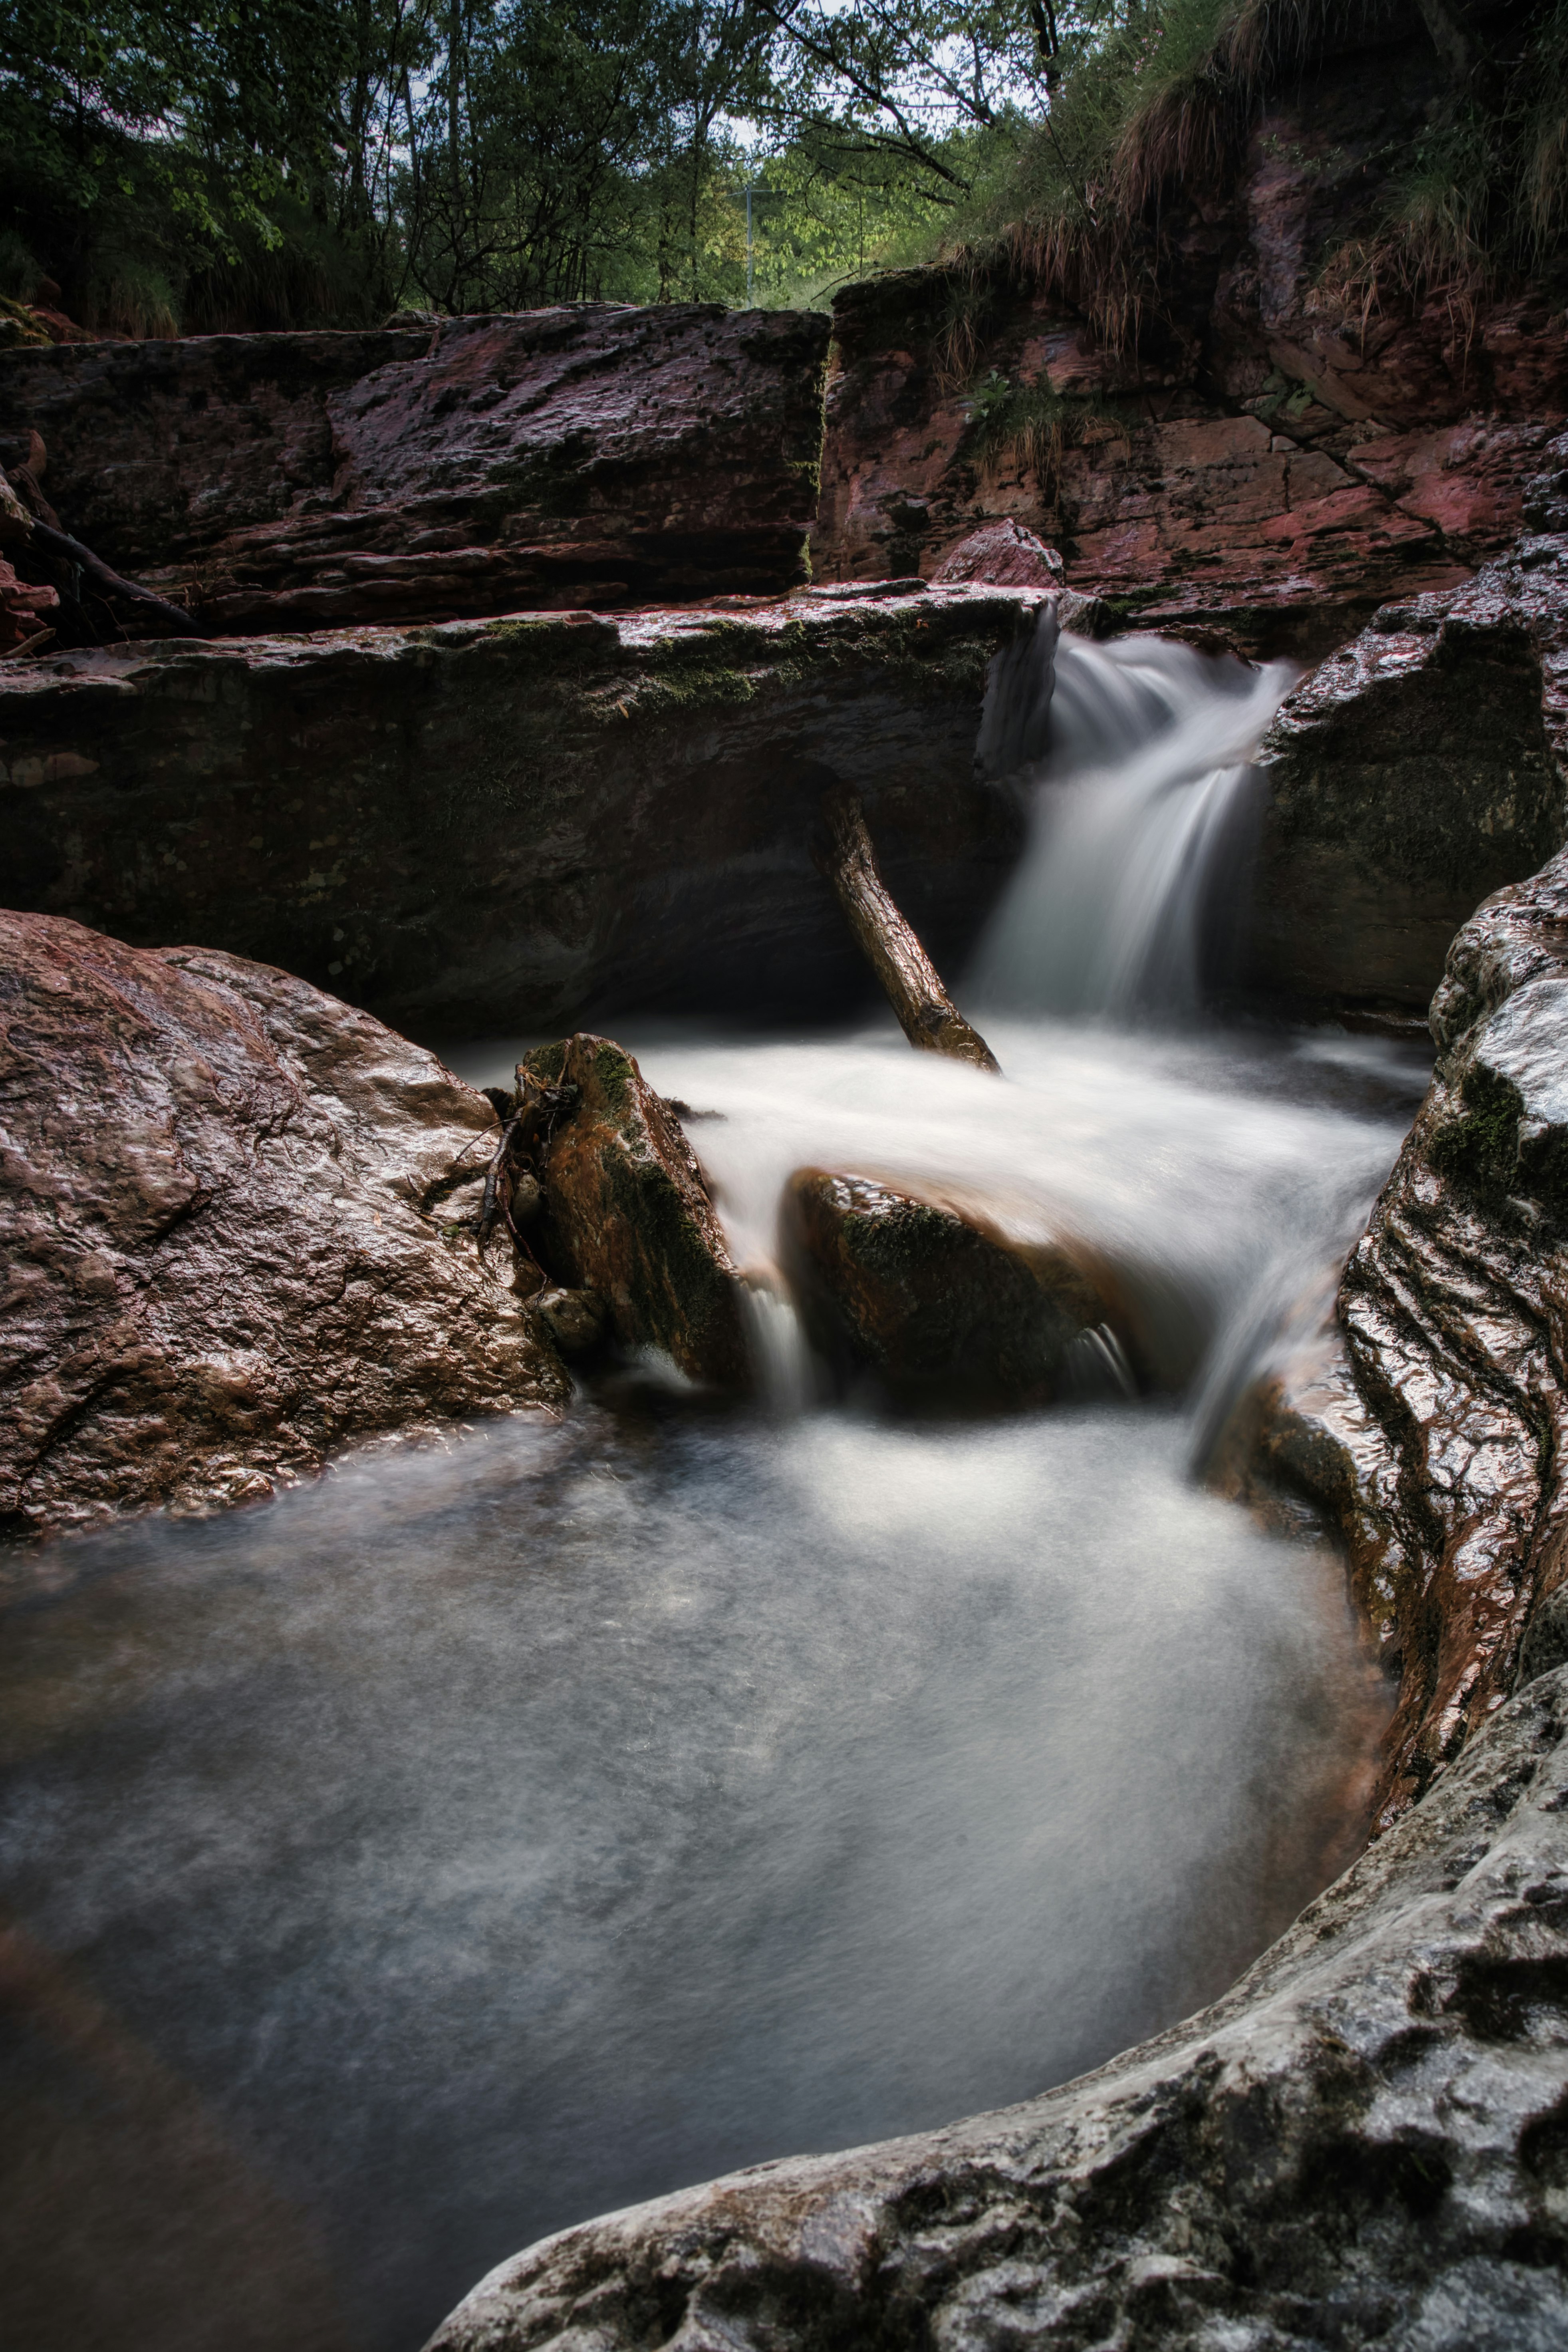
(748, 244)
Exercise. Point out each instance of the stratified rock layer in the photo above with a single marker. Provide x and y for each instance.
(1273, 462)
(1364, 2143)
(219, 1195)
(627, 1212)
(595, 454)
(519, 822)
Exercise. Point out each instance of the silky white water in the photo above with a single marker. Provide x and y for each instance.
(492, 1834)
(1136, 795)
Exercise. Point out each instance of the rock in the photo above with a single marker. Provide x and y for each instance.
(574, 1319)
(1269, 469)
(1418, 769)
(1003, 555)
(594, 455)
(1363, 2144)
(627, 1215)
(938, 1303)
(1431, 1422)
(223, 1202)
(520, 822)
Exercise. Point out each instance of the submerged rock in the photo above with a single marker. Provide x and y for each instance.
(938, 1303)
(627, 1214)
(597, 454)
(1363, 2144)
(226, 1203)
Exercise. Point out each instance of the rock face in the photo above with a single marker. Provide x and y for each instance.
(1431, 1421)
(937, 1303)
(1272, 469)
(1419, 768)
(229, 1230)
(1364, 2143)
(627, 1213)
(599, 454)
(520, 822)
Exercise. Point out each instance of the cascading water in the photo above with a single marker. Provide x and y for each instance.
(490, 1835)
(1137, 785)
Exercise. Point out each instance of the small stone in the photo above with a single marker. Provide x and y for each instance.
(576, 1320)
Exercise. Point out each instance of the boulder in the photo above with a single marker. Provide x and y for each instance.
(936, 1300)
(1363, 2144)
(627, 1215)
(1418, 769)
(520, 822)
(230, 1207)
(593, 455)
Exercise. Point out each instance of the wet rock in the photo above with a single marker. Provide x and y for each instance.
(1363, 2144)
(1431, 1421)
(1002, 555)
(595, 454)
(1418, 769)
(939, 1303)
(230, 1248)
(627, 1214)
(520, 822)
(576, 1320)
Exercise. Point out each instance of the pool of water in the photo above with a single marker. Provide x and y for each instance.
(491, 1834)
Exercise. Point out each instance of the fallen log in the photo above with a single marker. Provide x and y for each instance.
(926, 1014)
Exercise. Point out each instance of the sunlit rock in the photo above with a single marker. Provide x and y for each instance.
(627, 1215)
(226, 1216)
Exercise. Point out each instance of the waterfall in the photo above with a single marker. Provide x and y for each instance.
(1138, 766)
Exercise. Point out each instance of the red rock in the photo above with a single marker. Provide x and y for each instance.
(1001, 555)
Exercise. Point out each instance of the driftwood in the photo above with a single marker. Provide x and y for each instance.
(926, 1014)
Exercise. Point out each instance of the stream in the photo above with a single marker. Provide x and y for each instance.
(490, 1834)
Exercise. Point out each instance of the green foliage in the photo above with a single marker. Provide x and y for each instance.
(314, 161)
(1033, 425)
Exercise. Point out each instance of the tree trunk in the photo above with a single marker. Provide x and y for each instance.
(927, 1014)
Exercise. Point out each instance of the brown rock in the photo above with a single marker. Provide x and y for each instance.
(1430, 1421)
(599, 454)
(936, 1300)
(628, 1214)
(575, 1320)
(223, 1202)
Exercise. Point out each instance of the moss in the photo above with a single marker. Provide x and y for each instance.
(612, 1074)
(545, 1064)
